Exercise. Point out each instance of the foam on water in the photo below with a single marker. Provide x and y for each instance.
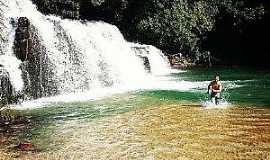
(153, 83)
(210, 105)
(97, 94)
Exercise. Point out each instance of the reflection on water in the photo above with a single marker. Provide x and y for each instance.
(170, 131)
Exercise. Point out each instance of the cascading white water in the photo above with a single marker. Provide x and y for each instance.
(106, 56)
(11, 65)
(81, 56)
(7, 33)
(158, 62)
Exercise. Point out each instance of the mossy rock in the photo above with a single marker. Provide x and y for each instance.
(10, 116)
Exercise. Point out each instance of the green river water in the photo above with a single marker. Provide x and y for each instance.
(160, 124)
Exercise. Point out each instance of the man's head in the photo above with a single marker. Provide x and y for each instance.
(216, 78)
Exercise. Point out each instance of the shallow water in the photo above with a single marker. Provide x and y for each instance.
(159, 123)
(166, 131)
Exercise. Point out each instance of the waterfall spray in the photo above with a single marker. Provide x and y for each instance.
(74, 56)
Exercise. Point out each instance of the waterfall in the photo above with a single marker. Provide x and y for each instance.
(73, 56)
(158, 62)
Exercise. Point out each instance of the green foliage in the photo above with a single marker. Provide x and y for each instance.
(183, 25)
(176, 25)
(107, 10)
(63, 8)
(117, 8)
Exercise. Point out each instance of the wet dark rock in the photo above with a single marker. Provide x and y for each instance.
(22, 39)
(146, 63)
(8, 95)
(6, 91)
(142, 52)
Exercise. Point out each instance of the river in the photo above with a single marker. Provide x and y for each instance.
(159, 123)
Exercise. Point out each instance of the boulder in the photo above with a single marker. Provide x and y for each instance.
(22, 36)
(6, 91)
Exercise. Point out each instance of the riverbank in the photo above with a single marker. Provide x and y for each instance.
(12, 123)
(180, 62)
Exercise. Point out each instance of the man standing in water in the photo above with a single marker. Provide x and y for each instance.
(214, 90)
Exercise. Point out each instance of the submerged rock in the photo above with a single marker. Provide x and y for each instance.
(25, 147)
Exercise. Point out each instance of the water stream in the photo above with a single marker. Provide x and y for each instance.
(159, 123)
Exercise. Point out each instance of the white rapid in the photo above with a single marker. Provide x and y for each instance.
(11, 65)
(80, 56)
(158, 62)
(7, 32)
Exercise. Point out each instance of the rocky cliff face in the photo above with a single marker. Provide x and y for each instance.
(29, 50)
